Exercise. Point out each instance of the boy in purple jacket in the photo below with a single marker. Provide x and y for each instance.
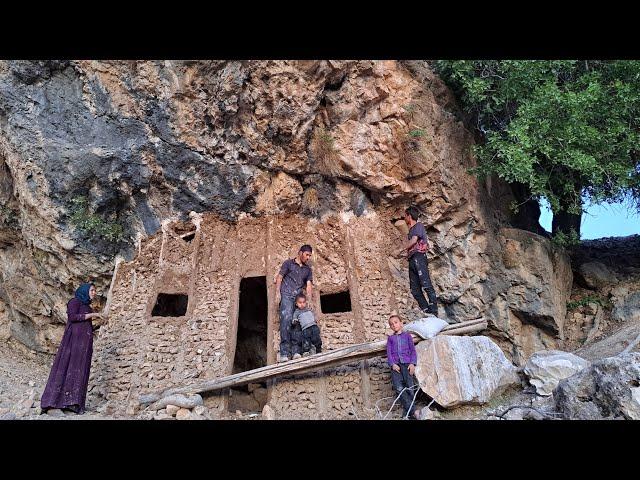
(402, 358)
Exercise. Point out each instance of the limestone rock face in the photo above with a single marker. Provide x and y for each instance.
(608, 389)
(546, 368)
(532, 285)
(462, 370)
(141, 143)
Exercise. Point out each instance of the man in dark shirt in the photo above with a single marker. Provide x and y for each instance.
(294, 276)
(416, 249)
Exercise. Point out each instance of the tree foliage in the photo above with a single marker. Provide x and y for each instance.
(568, 130)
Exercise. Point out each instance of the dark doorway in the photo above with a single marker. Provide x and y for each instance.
(170, 305)
(335, 302)
(251, 344)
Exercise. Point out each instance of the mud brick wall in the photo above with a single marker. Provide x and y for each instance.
(119, 360)
(138, 353)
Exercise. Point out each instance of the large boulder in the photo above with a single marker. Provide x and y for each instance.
(626, 305)
(546, 368)
(608, 389)
(596, 275)
(462, 370)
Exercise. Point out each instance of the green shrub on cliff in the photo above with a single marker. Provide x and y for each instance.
(566, 130)
(92, 224)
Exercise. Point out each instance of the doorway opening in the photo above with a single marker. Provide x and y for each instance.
(251, 344)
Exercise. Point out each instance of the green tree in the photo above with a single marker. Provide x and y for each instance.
(564, 130)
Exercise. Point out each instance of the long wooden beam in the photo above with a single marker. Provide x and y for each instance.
(320, 361)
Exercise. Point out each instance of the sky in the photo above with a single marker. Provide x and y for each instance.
(605, 220)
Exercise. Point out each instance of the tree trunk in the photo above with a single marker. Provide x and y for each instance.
(564, 221)
(528, 215)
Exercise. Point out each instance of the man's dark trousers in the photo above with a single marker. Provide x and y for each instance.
(287, 307)
(419, 279)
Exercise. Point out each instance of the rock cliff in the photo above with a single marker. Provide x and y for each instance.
(96, 155)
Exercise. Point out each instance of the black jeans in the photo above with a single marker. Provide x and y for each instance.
(296, 339)
(311, 336)
(401, 380)
(419, 279)
(287, 307)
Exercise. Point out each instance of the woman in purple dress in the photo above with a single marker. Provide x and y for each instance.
(67, 385)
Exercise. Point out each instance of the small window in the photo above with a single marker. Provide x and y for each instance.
(189, 237)
(170, 305)
(335, 302)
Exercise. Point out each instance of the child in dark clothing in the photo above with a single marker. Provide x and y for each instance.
(303, 319)
(402, 358)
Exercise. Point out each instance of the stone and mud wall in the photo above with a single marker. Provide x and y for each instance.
(137, 352)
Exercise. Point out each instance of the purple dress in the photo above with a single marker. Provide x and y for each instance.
(69, 377)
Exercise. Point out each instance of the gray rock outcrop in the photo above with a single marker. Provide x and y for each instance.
(546, 368)
(608, 389)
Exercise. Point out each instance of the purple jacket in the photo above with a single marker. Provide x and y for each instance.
(400, 349)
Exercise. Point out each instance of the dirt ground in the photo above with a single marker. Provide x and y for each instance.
(23, 376)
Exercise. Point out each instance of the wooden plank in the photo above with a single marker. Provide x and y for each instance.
(329, 359)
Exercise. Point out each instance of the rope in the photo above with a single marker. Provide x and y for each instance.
(415, 387)
(397, 398)
(545, 414)
(412, 402)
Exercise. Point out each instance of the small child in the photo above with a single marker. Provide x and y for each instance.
(304, 319)
(402, 358)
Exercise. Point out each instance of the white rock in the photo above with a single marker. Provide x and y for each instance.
(546, 368)
(268, 413)
(172, 410)
(183, 414)
(462, 370)
(200, 410)
(55, 412)
(426, 414)
(182, 401)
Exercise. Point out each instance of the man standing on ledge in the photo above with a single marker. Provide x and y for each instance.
(293, 277)
(416, 249)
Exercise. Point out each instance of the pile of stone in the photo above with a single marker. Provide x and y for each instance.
(180, 407)
(27, 407)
